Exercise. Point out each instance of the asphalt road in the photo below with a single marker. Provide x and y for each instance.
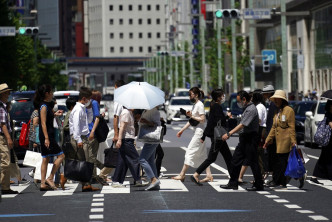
(176, 201)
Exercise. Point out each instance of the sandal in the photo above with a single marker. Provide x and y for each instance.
(207, 179)
(51, 184)
(178, 177)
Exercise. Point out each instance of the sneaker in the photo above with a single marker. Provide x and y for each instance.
(117, 185)
(9, 192)
(140, 183)
(153, 186)
(31, 173)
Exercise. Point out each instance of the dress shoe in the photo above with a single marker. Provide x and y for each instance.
(178, 177)
(9, 192)
(229, 187)
(87, 188)
(63, 180)
(315, 181)
(193, 179)
(255, 188)
(94, 188)
(301, 182)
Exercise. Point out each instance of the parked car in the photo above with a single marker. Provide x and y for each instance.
(21, 110)
(300, 109)
(313, 117)
(173, 109)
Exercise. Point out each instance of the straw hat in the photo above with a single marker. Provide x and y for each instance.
(281, 94)
(4, 88)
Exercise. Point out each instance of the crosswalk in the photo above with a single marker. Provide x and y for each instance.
(167, 185)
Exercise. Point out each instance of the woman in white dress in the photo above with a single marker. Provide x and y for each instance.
(196, 152)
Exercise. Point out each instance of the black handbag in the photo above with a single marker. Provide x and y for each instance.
(191, 120)
(111, 157)
(101, 130)
(78, 170)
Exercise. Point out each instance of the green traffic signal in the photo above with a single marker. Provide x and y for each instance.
(219, 14)
(21, 30)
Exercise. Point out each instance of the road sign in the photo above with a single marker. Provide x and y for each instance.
(177, 53)
(300, 61)
(256, 13)
(270, 55)
(7, 31)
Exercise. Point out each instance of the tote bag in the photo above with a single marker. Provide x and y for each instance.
(111, 157)
(323, 133)
(295, 168)
(24, 138)
(31, 158)
(78, 170)
(152, 135)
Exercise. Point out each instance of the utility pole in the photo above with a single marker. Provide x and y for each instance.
(171, 74)
(219, 50)
(284, 45)
(183, 66)
(252, 31)
(176, 62)
(202, 40)
(234, 50)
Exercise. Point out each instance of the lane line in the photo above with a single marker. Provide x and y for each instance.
(272, 196)
(292, 206)
(97, 204)
(281, 201)
(318, 217)
(96, 216)
(97, 210)
(305, 211)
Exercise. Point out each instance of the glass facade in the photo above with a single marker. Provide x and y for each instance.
(323, 38)
(273, 40)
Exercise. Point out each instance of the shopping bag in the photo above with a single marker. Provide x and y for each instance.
(323, 133)
(78, 170)
(151, 135)
(37, 175)
(24, 138)
(111, 157)
(295, 168)
(32, 158)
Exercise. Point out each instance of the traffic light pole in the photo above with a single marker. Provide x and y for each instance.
(234, 50)
(176, 62)
(171, 75)
(183, 66)
(202, 39)
(219, 52)
(252, 31)
(284, 45)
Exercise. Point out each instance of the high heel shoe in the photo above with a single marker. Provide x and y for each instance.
(178, 177)
(197, 182)
(50, 184)
(207, 179)
(63, 180)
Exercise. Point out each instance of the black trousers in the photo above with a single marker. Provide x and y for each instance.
(216, 147)
(280, 168)
(272, 156)
(246, 150)
(159, 158)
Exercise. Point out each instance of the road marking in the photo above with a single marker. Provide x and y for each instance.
(263, 192)
(313, 157)
(97, 204)
(318, 217)
(281, 201)
(15, 188)
(97, 210)
(166, 141)
(110, 189)
(96, 216)
(194, 211)
(98, 195)
(305, 211)
(292, 206)
(272, 196)
(163, 169)
(217, 182)
(98, 200)
(176, 128)
(170, 185)
(290, 188)
(69, 190)
(327, 184)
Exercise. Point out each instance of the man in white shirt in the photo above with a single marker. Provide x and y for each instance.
(79, 119)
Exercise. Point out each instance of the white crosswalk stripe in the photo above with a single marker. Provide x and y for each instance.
(19, 188)
(69, 190)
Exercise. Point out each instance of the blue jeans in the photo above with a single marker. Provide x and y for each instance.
(146, 159)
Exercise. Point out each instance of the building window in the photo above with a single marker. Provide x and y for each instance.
(130, 21)
(149, 49)
(140, 49)
(111, 21)
(149, 7)
(112, 49)
(111, 35)
(149, 21)
(120, 7)
(158, 48)
(130, 7)
(121, 35)
(121, 21)
(140, 35)
(157, 21)
(131, 35)
(140, 21)
(111, 7)
(157, 7)
(149, 35)
(131, 49)
(158, 35)
(121, 49)
(139, 7)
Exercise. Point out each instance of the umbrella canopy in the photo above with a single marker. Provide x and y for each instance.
(139, 95)
(327, 94)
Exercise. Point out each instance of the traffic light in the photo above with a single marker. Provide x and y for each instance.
(162, 53)
(227, 13)
(252, 65)
(266, 65)
(28, 30)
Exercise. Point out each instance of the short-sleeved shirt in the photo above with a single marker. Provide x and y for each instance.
(261, 114)
(127, 117)
(197, 110)
(4, 117)
(117, 110)
(152, 115)
(250, 119)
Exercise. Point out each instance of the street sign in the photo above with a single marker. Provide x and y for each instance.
(300, 61)
(7, 31)
(177, 53)
(270, 55)
(256, 13)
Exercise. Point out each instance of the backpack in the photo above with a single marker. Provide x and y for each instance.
(101, 130)
(323, 133)
(24, 138)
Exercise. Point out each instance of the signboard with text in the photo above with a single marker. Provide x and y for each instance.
(270, 55)
(256, 13)
(7, 31)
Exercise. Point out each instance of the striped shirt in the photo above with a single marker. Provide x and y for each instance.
(4, 117)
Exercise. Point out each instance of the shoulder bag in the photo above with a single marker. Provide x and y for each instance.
(101, 130)
(219, 131)
(323, 133)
